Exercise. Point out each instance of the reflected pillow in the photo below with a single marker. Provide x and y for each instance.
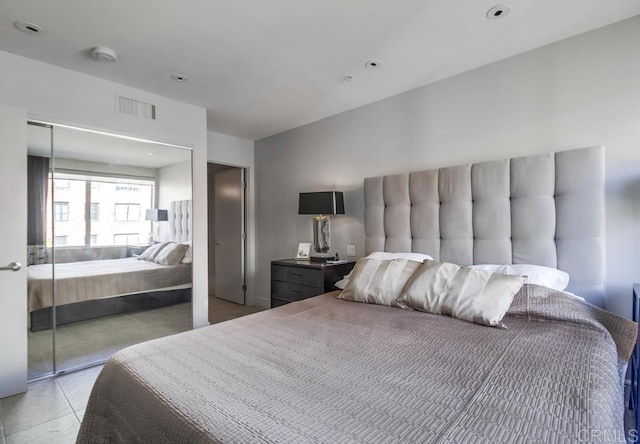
(188, 255)
(150, 253)
(376, 281)
(470, 294)
(172, 254)
(535, 274)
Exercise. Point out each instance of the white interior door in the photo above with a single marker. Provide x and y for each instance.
(13, 229)
(228, 235)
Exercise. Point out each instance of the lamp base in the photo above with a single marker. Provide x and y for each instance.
(321, 234)
(320, 259)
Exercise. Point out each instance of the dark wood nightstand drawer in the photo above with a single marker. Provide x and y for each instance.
(292, 292)
(280, 289)
(293, 280)
(303, 276)
(278, 302)
(299, 292)
(279, 272)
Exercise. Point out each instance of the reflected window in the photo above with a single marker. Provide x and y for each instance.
(127, 187)
(61, 240)
(62, 184)
(94, 212)
(62, 211)
(100, 210)
(127, 212)
(126, 239)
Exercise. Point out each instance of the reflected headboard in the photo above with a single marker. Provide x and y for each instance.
(180, 225)
(547, 209)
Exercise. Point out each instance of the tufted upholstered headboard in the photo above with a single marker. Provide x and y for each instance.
(180, 220)
(546, 210)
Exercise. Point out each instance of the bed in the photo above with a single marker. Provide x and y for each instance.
(94, 288)
(330, 370)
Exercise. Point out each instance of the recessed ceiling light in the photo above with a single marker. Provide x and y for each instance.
(104, 54)
(373, 64)
(180, 78)
(29, 28)
(498, 11)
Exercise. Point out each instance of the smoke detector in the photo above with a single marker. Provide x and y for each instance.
(498, 11)
(104, 54)
(29, 28)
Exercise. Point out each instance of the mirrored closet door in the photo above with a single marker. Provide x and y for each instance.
(117, 242)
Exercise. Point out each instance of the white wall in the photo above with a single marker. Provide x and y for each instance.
(579, 92)
(174, 183)
(61, 96)
(227, 150)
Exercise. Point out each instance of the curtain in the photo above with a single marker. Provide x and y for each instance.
(37, 188)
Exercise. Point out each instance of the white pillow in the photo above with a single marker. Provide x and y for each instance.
(466, 293)
(188, 256)
(535, 274)
(383, 255)
(150, 253)
(172, 254)
(376, 281)
(342, 283)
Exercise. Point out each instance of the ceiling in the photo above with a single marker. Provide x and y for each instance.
(263, 67)
(91, 146)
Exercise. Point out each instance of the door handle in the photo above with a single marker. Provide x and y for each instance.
(13, 266)
(217, 243)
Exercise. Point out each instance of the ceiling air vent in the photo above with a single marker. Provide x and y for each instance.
(135, 108)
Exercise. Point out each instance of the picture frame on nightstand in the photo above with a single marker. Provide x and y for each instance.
(304, 251)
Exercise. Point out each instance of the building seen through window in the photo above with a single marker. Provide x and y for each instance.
(99, 210)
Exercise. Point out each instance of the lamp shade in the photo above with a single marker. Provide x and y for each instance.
(156, 215)
(321, 202)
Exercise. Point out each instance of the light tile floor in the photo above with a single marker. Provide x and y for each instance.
(51, 410)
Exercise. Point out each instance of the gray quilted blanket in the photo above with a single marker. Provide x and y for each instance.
(327, 370)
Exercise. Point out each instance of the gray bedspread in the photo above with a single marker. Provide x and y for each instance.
(81, 281)
(327, 370)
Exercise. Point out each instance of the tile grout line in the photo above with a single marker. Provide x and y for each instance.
(67, 399)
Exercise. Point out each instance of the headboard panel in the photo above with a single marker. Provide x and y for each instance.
(180, 220)
(545, 210)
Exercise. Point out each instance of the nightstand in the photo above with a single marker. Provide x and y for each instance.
(634, 395)
(293, 280)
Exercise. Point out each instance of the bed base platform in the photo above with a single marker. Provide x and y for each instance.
(82, 311)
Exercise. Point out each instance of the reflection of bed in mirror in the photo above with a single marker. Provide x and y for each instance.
(158, 277)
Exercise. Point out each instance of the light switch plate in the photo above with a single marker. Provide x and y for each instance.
(351, 250)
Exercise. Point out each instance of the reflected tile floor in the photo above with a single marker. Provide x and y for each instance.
(81, 343)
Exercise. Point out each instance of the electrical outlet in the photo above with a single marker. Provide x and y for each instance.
(351, 250)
